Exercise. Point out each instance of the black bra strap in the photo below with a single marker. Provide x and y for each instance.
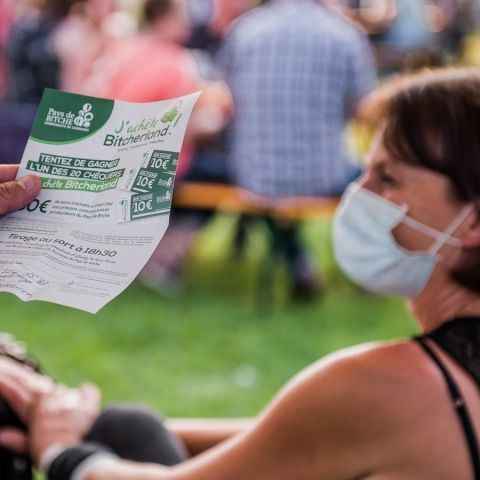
(460, 407)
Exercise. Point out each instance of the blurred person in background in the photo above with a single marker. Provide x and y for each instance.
(12, 138)
(471, 44)
(459, 25)
(81, 39)
(32, 65)
(403, 31)
(199, 10)
(297, 73)
(208, 36)
(205, 41)
(151, 66)
(5, 24)
(210, 161)
(33, 62)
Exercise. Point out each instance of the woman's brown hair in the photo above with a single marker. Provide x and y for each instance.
(60, 8)
(432, 120)
(154, 9)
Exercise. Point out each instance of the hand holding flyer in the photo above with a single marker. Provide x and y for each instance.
(107, 170)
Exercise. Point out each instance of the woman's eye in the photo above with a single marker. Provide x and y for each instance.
(386, 179)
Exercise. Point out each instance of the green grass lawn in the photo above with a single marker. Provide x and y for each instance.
(214, 349)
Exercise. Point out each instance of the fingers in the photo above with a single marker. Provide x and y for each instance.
(27, 376)
(83, 403)
(16, 395)
(55, 414)
(56, 419)
(18, 385)
(12, 367)
(8, 173)
(14, 440)
(17, 194)
(91, 395)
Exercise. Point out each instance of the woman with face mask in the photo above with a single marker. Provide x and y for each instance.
(407, 409)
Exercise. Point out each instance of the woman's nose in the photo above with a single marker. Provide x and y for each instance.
(369, 181)
(365, 181)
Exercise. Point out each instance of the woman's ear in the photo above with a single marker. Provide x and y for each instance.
(471, 233)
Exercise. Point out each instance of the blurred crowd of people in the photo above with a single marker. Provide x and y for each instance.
(281, 81)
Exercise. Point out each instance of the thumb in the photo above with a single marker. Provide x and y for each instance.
(15, 195)
(13, 439)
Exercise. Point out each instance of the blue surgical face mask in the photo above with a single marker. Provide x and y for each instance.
(367, 252)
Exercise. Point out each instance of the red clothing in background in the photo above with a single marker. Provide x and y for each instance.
(146, 69)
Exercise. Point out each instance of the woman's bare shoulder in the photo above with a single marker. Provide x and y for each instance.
(373, 366)
(363, 398)
(392, 378)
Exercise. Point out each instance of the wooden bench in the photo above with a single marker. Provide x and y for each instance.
(231, 199)
(228, 198)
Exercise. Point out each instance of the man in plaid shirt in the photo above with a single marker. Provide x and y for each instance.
(297, 72)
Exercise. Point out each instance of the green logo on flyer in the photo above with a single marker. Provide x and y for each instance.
(67, 118)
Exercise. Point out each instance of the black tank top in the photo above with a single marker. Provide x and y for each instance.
(460, 339)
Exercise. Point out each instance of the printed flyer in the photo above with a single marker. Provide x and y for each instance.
(107, 170)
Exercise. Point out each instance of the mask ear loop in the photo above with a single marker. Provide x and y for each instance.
(446, 236)
(420, 227)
